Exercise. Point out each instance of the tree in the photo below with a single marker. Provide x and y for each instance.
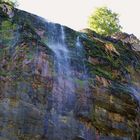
(10, 2)
(104, 21)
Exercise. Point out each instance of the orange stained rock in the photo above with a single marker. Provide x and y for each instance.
(102, 81)
(110, 48)
(116, 117)
(93, 60)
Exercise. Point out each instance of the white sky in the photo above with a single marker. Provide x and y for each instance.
(74, 13)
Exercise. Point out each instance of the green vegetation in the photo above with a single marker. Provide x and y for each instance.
(6, 31)
(10, 2)
(104, 21)
(7, 25)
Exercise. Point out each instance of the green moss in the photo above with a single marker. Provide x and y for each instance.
(5, 73)
(96, 70)
(7, 25)
(7, 32)
(79, 82)
(30, 56)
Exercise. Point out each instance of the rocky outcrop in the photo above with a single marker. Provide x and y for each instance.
(115, 87)
(59, 84)
(126, 38)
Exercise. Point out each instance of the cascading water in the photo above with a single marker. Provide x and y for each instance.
(83, 74)
(135, 92)
(60, 119)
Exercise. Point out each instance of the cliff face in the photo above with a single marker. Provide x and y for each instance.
(59, 84)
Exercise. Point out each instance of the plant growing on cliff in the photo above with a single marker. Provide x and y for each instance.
(104, 21)
(10, 2)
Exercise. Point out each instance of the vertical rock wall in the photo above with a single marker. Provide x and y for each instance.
(59, 84)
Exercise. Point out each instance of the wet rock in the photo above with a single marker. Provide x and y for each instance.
(59, 84)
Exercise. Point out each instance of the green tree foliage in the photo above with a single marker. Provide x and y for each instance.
(104, 21)
(10, 2)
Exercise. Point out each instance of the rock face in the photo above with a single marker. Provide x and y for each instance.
(126, 38)
(59, 84)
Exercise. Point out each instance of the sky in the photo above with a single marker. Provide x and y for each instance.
(75, 13)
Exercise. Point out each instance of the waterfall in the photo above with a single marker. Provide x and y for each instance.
(60, 119)
(84, 74)
(135, 92)
(63, 84)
